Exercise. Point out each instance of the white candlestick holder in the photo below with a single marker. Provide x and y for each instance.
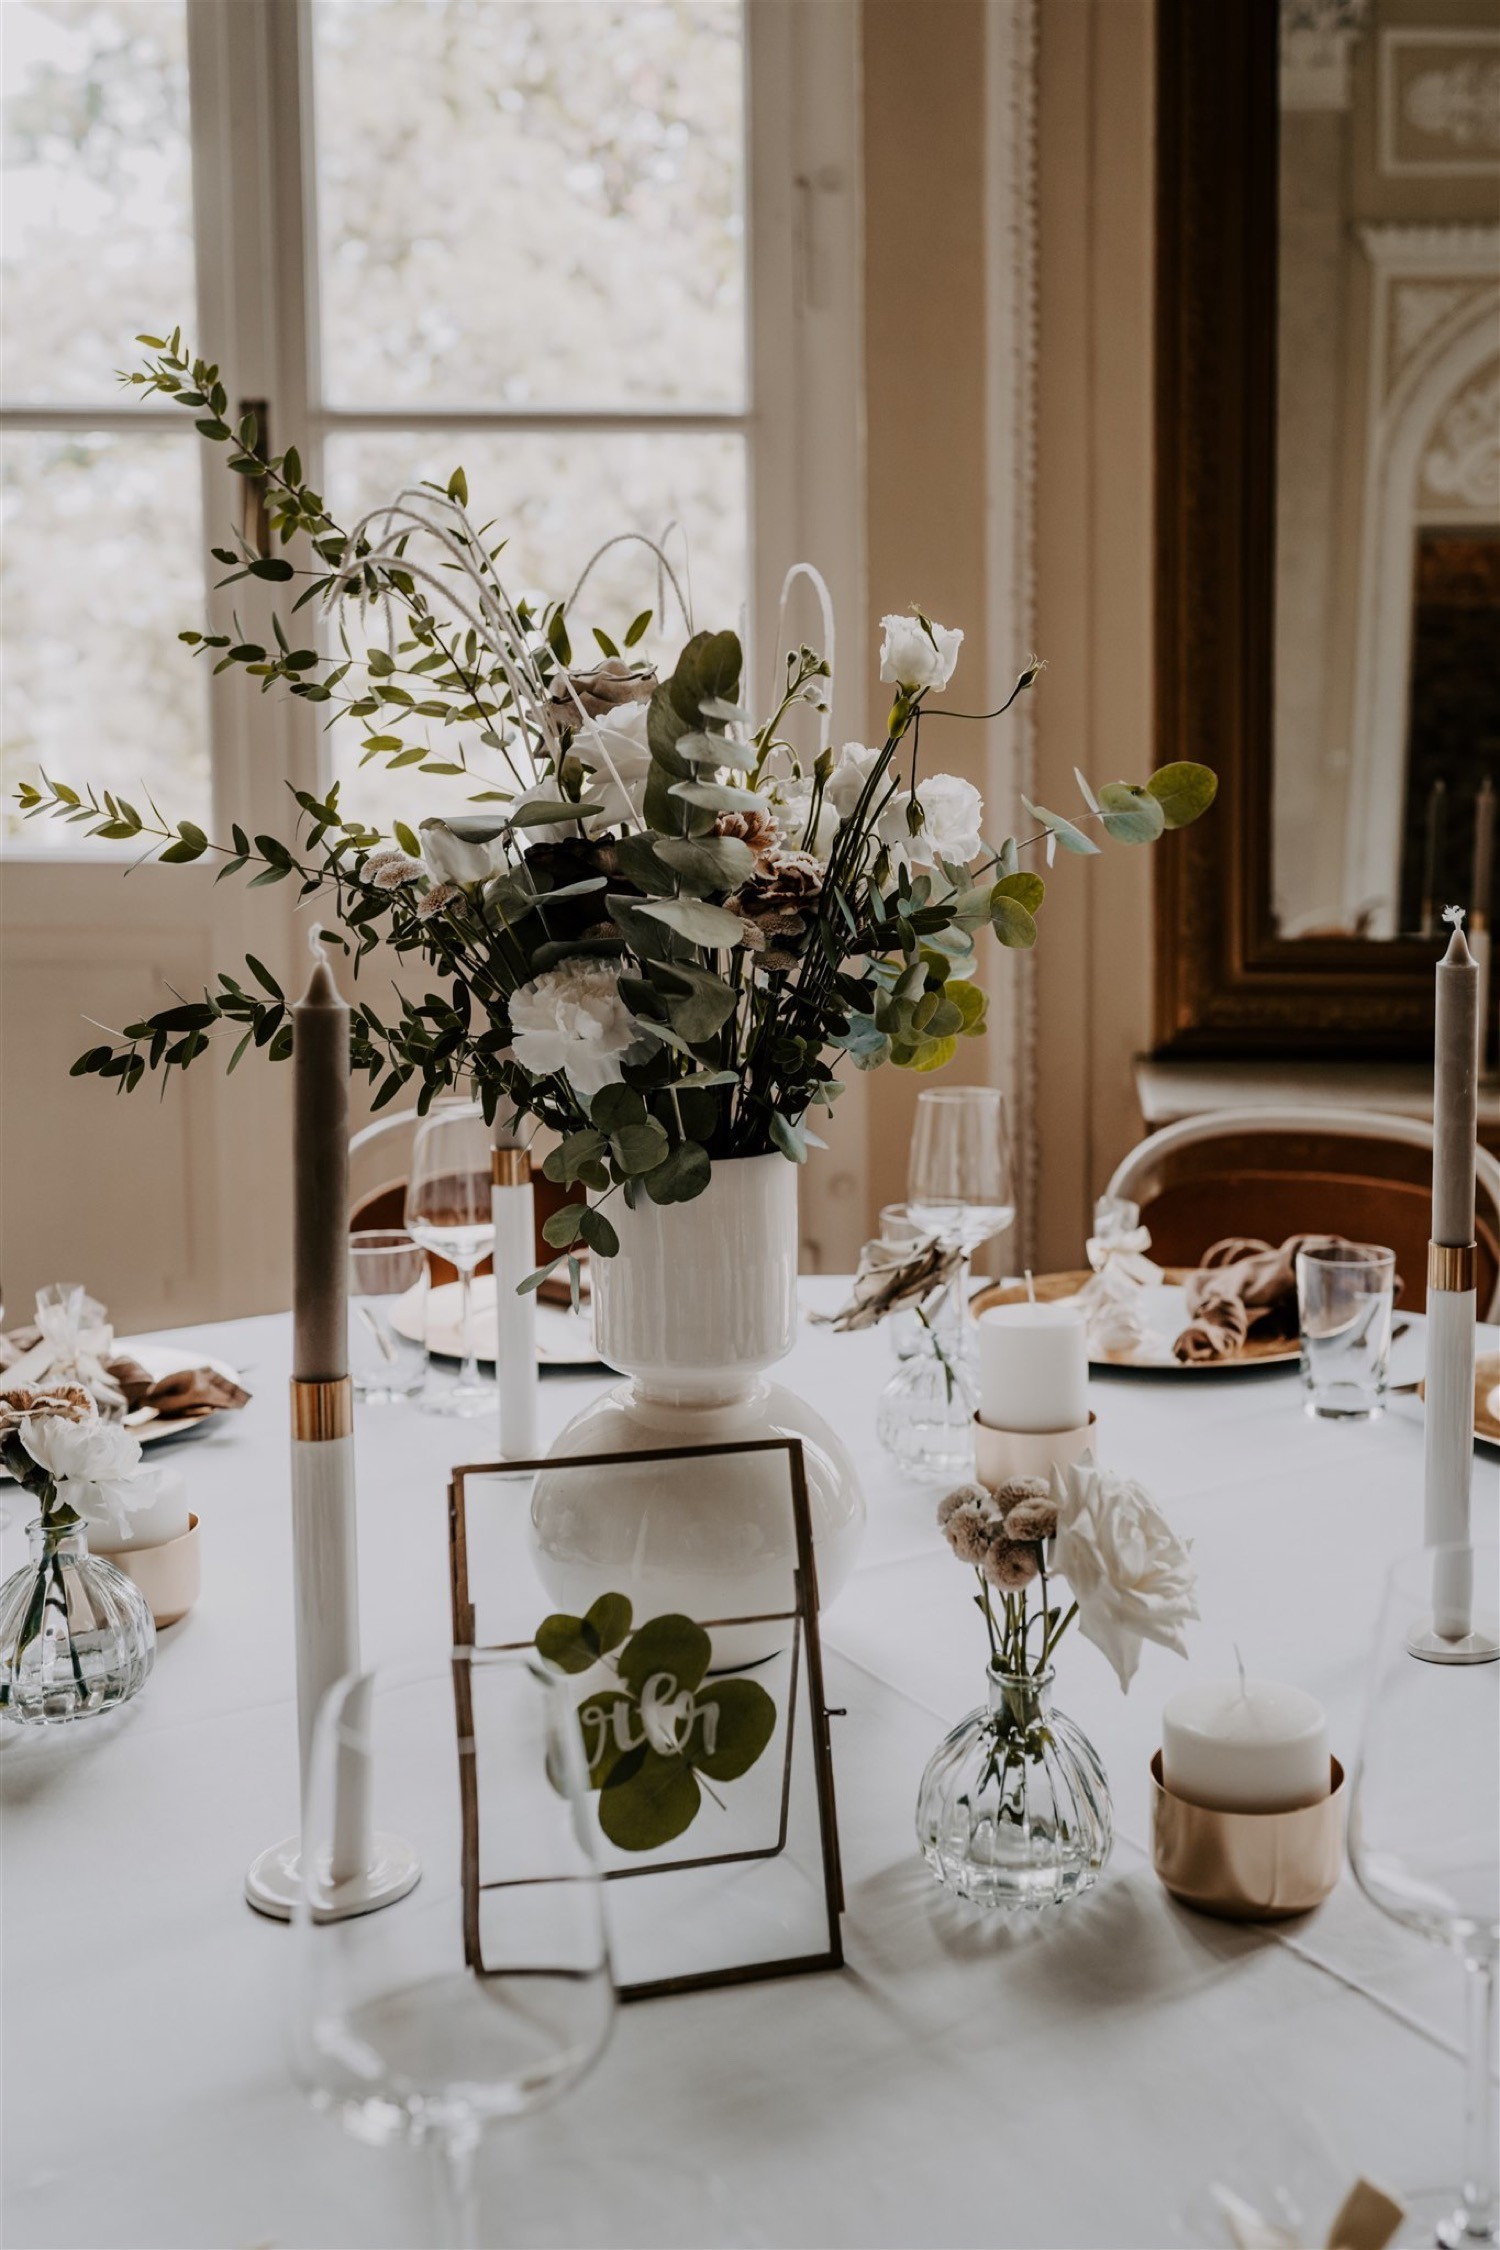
(1450, 1637)
(516, 1376)
(368, 1870)
(1000, 1456)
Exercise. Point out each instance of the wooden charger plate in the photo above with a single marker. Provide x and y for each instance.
(1166, 1308)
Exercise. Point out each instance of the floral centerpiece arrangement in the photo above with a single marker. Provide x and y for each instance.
(75, 1635)
(665, 927)
(1014, 1807)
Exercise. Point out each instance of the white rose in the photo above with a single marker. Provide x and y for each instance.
(952, 810)
(617, 753)
(846, 784)
(449, 858)
(914, 655)
(791, 802)
(572, 1019)
(1132, 1577)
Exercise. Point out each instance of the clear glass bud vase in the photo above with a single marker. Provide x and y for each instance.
(75, 1635)
(1014, 1808)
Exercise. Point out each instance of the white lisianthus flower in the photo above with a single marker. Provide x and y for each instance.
(1132, 1577)
(952, 810)
(572, 1019)
(618, 755)
(846, 784)
(913, 656)
(93, 1463)
(449, 858)
(791, 802)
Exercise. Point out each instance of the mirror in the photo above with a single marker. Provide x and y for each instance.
(1386, 666)
(1327, 513)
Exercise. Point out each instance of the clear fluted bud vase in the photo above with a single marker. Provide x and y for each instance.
(76, 1636)
(1014, 1808)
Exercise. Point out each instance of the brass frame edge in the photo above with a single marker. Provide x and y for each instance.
(510, 1167)
(322, 1408)
(1450, 1266)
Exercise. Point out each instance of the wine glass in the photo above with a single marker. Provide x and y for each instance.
(960, 1178)
(485, 1991)
(448, 1210)
(1424, 1835)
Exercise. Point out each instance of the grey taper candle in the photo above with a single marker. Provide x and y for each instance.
(1455, 1113)
(320, 1066)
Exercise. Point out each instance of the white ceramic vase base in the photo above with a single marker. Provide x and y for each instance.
(699, 1301)
(274, 1883)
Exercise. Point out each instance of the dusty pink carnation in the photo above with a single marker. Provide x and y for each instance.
(1009, 1564)
(970, 1532)
(1032, 1519)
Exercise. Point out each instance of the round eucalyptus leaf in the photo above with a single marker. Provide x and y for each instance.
(672, 1644)
(743, 1723)
(1011, 922)
(681, 1175)
(658, 1801)
(1184, 791)
(610, 1617)
(598, 1233)
(1131, 816)
(1027, 889)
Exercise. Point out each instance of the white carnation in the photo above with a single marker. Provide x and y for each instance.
(914, 655)
(572, 1019)
(92, 1461)
(1132, 1577)
(952, 810)
(791, 802)
(846, 784)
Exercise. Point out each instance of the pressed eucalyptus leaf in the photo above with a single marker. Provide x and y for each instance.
(658, 1801)
(742, 1723)
(560, 1639)
(610, 1617)
(671, 1645)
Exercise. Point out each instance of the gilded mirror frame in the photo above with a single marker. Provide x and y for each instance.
(1227, 983)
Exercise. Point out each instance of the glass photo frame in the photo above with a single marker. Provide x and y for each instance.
(706, 1737)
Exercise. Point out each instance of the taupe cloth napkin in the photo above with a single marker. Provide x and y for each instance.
(71, 1341)
(1243, 1285)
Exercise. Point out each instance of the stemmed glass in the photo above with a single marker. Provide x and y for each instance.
(1424, 1840)
(448, 1210)
(486, 1990)
(960, 1179)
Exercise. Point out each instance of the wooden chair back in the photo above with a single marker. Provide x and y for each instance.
(1239, 1173)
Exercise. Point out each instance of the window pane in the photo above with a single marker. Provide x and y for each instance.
(98, 218)
(555, 498)
(531, 201)
(100, 573)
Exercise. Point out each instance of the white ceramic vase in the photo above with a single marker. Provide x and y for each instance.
(700, 1301)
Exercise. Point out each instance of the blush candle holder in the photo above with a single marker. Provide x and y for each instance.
(1002, 1455)
(1247, 1866)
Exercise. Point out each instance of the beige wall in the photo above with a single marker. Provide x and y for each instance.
(1094, 580)
(925, 372)
(926, 375)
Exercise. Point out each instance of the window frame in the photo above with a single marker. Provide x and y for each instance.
(256, 252)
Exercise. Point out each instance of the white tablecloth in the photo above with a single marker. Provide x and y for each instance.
(1073, 2079)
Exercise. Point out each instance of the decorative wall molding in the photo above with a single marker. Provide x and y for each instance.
(1317, 52)
(1462, 464)
(1439, 103)
(1012, 345)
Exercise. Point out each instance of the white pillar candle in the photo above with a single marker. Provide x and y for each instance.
(1245, 1746)
(158, 1512)
(1033, 1367)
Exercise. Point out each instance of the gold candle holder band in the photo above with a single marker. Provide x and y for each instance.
(510, 1167)
(322, 1407)
(1247, 1866)
(1450, 1266)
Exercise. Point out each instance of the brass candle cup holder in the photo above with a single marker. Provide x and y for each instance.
(1002, 1455)
(169, 1575)
(1247, 1866)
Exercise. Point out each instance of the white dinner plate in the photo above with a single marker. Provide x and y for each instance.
(165, 1359)
(563, 1338)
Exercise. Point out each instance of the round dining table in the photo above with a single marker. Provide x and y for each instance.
(1080, 2077)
